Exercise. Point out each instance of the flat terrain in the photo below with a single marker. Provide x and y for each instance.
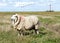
(49, 28)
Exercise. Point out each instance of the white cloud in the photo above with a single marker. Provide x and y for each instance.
(22, 4)
(17, 4)
(53, 0)
(3, 4)
(4, 0)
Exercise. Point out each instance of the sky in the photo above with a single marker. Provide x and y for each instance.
(29, 5)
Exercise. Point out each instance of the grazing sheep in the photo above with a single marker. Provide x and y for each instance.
(21, 23)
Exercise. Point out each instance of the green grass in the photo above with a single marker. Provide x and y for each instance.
(45, 36)
(47, 20)
(11, 37)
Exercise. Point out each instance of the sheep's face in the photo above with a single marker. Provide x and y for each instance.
(14, 19)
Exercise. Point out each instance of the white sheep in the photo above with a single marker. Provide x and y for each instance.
(21, 23)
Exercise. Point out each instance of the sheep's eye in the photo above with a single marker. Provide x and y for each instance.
(12, 19)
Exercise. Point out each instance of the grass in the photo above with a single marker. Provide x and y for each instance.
(9, 35)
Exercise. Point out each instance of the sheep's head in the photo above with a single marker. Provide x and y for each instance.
(14, 19)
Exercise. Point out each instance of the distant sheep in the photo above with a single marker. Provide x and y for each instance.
(21, 23)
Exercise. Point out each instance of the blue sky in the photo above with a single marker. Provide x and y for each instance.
(29, 5)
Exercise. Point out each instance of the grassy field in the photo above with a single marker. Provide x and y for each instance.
(49, 28)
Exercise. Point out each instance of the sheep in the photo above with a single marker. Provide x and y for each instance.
(21, 23)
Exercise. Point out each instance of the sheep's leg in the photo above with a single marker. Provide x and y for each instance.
(20, 32)
(36, 29)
